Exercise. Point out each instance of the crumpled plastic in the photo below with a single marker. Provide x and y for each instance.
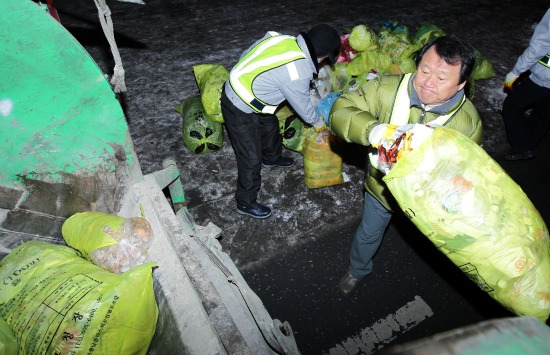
(294, 133)
(322, 85)
(323, 109)
(340, 77)
(483, 69)
(114, 243)
(397, 141)
(346, 52)
(476, 215)
(426, 33)
(393, 38)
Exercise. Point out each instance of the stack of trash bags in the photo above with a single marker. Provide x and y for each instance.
(93, 296)
(392, 50)
(473, 212)
(364, 54)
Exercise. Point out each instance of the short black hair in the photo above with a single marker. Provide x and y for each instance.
(454, 51)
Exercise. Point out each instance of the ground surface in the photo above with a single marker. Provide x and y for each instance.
(294, 259)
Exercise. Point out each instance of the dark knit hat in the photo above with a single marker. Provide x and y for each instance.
(325, 41)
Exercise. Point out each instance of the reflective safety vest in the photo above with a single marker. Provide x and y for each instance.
(402, 107)
(268, 54)
(545, 61)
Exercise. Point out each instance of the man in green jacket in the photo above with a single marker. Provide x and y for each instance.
(433, 94)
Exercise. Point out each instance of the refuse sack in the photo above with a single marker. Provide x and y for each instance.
(346, 52)
(363, 38)
(283, 112)
(56, 302)
(294, 132)
(322, 85)
(8, 343)
(322, 165)
(483, 69)
(210, 79)
(393, 38)
(364, 62)
(476, 215)
(426, 33)
(407, 65)
(111, 242)
(340, 77)
(201, 134)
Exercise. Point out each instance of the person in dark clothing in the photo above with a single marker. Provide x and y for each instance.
(532, 94)
(274, 69)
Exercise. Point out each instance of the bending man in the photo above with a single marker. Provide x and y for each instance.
(274, 69)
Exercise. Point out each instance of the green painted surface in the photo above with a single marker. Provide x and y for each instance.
(58, 113)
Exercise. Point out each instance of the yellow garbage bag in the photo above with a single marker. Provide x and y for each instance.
(8, 343)
(475, 214)
(56, 302)
(210, 79)
(111, 242)
(322, 165)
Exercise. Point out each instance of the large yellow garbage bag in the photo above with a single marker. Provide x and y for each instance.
(8, 343)
(474, 213)
(56, 302)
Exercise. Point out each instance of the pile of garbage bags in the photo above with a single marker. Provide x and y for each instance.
(392, 50)
(200, 132)
(95, 295)
(364, 54)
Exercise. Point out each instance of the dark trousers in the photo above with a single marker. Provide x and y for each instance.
(254, 137)
(368, 237)
(525, 131)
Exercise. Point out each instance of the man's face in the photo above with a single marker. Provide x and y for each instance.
(436, 81)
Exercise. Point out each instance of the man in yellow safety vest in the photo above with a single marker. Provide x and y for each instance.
(276, 68)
